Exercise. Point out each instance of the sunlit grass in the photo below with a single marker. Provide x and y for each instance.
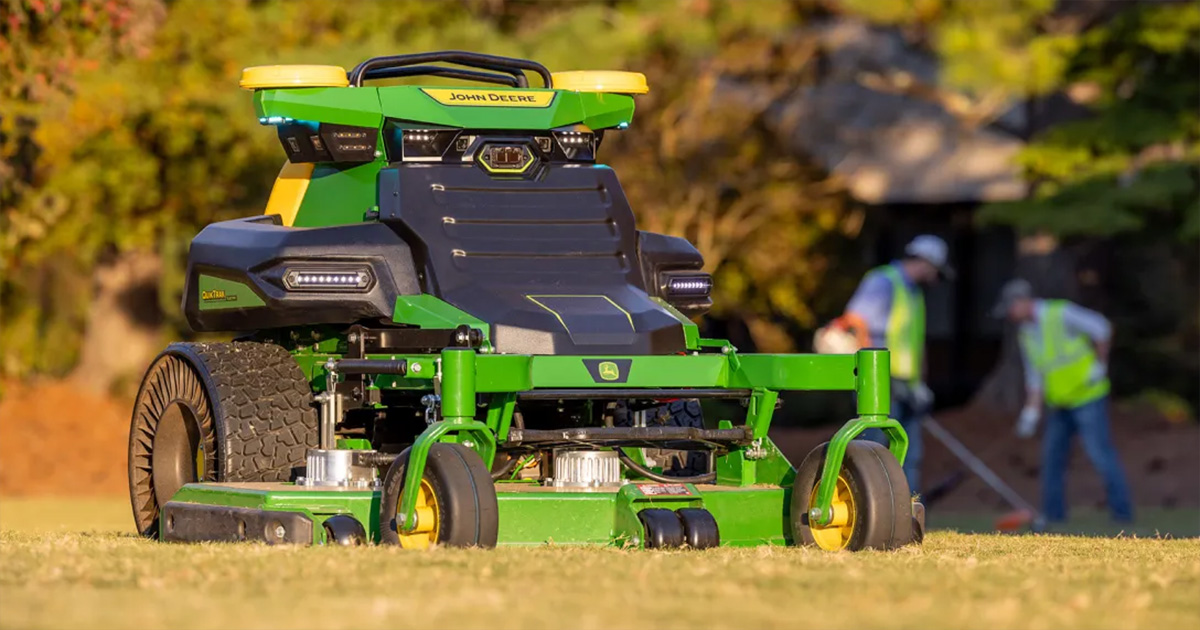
(52, 577)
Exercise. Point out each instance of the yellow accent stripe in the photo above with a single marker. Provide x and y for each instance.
(288, 192)
(628, 315)
(552, 311)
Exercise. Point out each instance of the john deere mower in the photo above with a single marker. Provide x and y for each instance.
(449, 331)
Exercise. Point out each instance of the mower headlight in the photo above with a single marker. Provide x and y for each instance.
(426, 144)
(576, 145)
(318, 279)
(689, 286)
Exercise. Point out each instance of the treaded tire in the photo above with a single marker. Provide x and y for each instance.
(884, 516)
(468, 513)
(252, 406)
(677, 413)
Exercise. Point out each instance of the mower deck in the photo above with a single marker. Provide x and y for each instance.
(530, 514)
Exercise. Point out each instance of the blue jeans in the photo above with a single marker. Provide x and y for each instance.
(1090, 421)
(904, 412)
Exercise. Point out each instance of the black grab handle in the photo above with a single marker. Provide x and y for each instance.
(440, 71)
(508, 65)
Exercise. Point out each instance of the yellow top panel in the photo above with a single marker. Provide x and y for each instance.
(601, 81)
(261, 77)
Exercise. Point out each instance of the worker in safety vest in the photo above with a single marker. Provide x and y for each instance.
(1065, 348)
(888, 311)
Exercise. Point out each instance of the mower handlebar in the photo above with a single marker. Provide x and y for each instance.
(516, 67)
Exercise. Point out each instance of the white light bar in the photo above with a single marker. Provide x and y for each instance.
(689, 286)
(327, 279)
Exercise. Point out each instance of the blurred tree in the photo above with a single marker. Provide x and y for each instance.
(123, 133)
(1108, 93)
(1118, 192)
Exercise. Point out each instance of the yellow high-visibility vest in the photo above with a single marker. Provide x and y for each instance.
(1065, 360)
(905, 327)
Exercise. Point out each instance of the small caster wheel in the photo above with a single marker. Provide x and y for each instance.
(699, 528)
(456, 504)
(344, 530)
(918, 524)
(872, 505)
(663, 529)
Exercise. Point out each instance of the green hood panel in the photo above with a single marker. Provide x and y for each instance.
(368, 106)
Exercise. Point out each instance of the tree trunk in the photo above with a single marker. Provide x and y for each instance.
(124, 324)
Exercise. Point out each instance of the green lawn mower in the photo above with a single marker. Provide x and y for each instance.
(450, 332)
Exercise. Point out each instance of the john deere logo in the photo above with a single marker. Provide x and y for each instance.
(490, 98)
(608, 370)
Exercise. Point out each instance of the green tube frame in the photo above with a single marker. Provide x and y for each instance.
(463, 374)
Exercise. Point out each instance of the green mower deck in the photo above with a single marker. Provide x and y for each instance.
(529, 514)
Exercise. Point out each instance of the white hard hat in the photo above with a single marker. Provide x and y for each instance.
(933, 250)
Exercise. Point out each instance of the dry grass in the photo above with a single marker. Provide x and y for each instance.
(52, 575)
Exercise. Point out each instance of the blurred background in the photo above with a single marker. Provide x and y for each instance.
(797, 143)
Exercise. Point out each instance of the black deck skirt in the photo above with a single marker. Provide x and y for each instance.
(197, 522)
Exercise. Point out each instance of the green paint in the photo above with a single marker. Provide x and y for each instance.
(534, 515)
(427, 311)
(752, 517)
(543, 517)
(316, 503)
(458, 384)
(339, 194)
(500, 415)
(644, 371)
(356, 444)
(594, 110)
(466, 373)
(503, 373)
(368, 106)
(219, 293)
(691, 332)
(342, 106)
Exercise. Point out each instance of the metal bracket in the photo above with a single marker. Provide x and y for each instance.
(756, 450)
(822, 512)
(485, 445)
(331, 406)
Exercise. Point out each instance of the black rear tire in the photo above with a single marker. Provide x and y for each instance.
(882, 515)
(677, 413)
(467, 512)
(216, 412)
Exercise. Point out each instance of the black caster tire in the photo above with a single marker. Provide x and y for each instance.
(700, 529)
(458, 500)
(873, 491)
(344, 530)
(237, 411)
(662, 528)
(918, 510)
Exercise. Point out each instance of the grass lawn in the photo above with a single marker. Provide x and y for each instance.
(74, 564)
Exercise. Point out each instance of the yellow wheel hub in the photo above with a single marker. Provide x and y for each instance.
(428, 520)
(836, 535)
(200, 463)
